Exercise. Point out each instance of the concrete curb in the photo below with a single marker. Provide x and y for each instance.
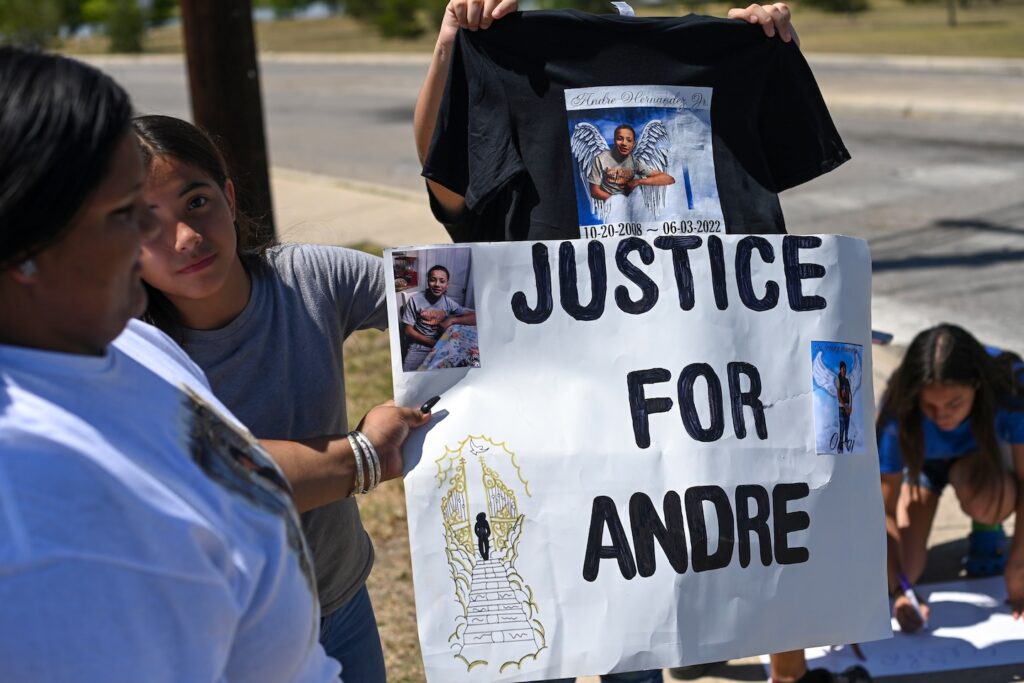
(974, 65)
(924, 106)
(968, 65)
(339, 183)
(270, 58)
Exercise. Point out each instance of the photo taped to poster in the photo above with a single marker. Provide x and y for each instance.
(434, 298)
(837, 370)
(643, 159)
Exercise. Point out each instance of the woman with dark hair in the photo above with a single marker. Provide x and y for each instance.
(953, 413)
(144, 532)
(267, 326)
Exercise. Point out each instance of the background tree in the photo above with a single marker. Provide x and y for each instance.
(849, 6)
(159, 12)
(364, 10)
(595, 6)
(29, 22)
(71, 16)
(123, 20)
(397, 18)
(284, 8)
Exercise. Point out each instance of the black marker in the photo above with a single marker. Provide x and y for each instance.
(430, 403)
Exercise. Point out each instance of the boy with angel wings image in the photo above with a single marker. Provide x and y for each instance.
(629, 163)
(841, 384)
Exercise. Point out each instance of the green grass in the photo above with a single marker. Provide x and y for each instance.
(368, 383)
(986, 29)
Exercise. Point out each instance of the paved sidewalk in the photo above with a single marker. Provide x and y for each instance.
(325, 210)
(989, 89)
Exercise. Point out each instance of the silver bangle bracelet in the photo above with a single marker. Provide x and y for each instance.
(373, 461)
(357, 455)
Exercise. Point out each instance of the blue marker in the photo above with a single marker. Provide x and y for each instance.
(908, 591)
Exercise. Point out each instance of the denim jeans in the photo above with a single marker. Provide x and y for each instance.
(844, 429)
(653, 676)
(349, 634)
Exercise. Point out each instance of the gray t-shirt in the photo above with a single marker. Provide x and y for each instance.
(417, 312)
(626, 169)
(278, 367)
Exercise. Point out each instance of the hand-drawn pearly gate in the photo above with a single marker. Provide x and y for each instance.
(497, 625)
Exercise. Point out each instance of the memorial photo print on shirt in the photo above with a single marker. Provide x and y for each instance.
(643, 160)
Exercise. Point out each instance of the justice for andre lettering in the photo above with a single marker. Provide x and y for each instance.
(748, 511)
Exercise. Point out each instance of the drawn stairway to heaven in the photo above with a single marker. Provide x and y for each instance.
(498, 625)
(496, 616)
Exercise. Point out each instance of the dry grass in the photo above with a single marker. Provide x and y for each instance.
(985, 29)
(368, 382)
(334, 34)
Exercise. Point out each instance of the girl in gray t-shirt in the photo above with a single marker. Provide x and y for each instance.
(268, 331)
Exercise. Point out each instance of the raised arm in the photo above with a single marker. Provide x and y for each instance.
(468, 14)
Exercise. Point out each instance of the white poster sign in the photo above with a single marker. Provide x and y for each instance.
(635, 461)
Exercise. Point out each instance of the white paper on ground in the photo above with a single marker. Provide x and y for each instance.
(541, 435)
(970, 628)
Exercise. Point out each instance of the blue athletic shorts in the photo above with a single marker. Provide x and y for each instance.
(934, 474)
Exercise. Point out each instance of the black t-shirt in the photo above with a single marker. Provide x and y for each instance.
(553, 123)
(843, 396)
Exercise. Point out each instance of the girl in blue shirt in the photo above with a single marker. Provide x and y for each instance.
(953, 413)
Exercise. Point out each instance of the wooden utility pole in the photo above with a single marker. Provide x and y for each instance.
(224, 81)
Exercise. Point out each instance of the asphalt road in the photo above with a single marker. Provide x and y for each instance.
(936, 184)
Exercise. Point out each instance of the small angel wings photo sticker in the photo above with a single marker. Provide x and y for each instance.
(836, 372)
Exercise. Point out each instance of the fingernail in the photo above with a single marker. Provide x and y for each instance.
(430, 403)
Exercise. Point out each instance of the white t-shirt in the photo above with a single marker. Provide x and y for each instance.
(143, 533)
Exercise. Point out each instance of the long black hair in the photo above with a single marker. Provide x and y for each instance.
(948, 354)
(60, 124)
(169, 137)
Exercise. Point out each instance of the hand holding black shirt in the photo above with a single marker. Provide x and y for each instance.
(503, 135)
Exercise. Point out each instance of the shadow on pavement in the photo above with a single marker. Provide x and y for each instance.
(978, 259)
(978, 225)
(944, 561)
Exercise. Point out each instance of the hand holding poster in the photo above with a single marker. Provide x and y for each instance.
(626, 469)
